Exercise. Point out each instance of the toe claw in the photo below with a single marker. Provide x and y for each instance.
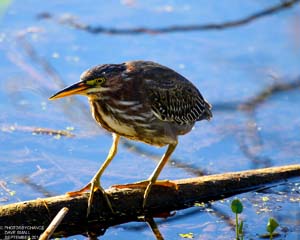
(93, 186)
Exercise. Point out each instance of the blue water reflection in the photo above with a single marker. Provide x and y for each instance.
(228, 66)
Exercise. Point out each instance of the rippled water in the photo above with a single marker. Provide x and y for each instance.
(230, 67)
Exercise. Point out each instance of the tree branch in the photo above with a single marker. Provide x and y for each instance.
(127, 202)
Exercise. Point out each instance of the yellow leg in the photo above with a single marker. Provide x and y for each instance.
(152, 179)
(94, 184)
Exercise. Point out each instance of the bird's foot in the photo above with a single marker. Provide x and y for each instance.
(144, 184)
(93, 186)
(80, 191)
(148, 185)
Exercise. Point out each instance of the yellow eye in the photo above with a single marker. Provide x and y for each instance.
(95, 81)
(100, 80)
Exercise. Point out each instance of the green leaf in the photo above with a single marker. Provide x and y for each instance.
(236, 206)
(272, 225)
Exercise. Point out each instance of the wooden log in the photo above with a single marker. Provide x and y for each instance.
(36, 215)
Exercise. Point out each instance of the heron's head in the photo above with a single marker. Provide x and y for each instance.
(94, 81)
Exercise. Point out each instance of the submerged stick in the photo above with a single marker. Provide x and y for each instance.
(71, 21)
(127, 202)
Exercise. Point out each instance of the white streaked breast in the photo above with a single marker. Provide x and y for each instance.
(128, 103)
(122, 129)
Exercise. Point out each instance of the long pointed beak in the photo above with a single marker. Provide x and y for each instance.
(77, 88)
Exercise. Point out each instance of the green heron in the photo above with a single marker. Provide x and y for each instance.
(142, 101)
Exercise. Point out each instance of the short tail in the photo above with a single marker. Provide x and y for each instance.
(207, 113)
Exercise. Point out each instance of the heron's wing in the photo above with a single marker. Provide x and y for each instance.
(173, 98)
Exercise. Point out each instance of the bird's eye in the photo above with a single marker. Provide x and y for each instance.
(99, 80)
(95, 81)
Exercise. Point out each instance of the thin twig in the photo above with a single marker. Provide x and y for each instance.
(36, 187)
(251, 131)
(259, 98)
(283, 5)
(54, 224)
(253, 150)
(36, 130)
(266, 93)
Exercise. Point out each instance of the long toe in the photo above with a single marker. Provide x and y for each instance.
(80, 191)
(95, 186)
(144, 184)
